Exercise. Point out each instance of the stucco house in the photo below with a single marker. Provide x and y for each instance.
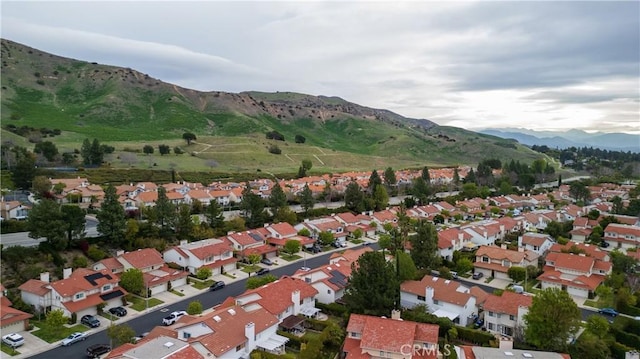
(213, 253)
(504, 314)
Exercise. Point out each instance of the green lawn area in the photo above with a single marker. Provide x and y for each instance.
(177, 293)
(251, 268)
(139, 303)
(53, 334)
(290, 258)
(9, 350)
(488, 280)
(591, 303)
(109, 316)
(201, 284)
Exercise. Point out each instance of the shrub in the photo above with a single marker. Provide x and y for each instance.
(294, 341)
(477, 337)
(203, 273)
(79, 262)
(275, 150)
(95, 253)
(73, 319)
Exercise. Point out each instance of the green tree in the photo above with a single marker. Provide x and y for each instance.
(373, 288)
(425, 246)
(390, 179)
(306, 199)
(326, 238)
(25, 168)
(287, 215)
(354, 198)
(188, 136)
(147, 149)
(260, 280)
(85, 152)
(120, 334)
(132, 281)
(164, 210)
(605, 296)
(292, 246)
(425, 175)
(589, 346)
(45, 220)
(304, 232)
(164, 149)
(464, 265)
(112, 221)
(203, 273)
(73, 217)
(183, 222)
(517, 274)
(56, 318)
(374, 181)
(277, 200)
(97, 152)
(420, 190)
(252, 207)
(253, 258)
(48, 149)
(300, 139)
(552, 319)
(407, 269)
(41, 186)
(598, 326)
(579, 191)
(381, 198)
(194, 308)
(214, 215)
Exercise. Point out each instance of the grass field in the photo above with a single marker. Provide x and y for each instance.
(53, 334)
(139, 303)
(9, 350)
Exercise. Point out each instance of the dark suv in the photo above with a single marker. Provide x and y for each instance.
(119, 311)
(96, 350)
(90, 321)
(217, 285)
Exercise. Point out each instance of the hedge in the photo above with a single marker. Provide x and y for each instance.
(294, 341)
(315, 324)
(477, 337)
(618, 351)
(627, 339)
(629, 310)
(334, 309)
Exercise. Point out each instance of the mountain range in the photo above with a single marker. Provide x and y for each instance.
(121, 105)
(573, 138)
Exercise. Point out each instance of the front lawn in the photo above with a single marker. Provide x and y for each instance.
(109, 316)
(53, 334)
(9, 350)
(177, 293)
(251, 268)
(290, 258)
(139, 303)
(591, 303)
(201, 284)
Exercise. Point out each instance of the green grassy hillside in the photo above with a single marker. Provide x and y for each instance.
(128, 109)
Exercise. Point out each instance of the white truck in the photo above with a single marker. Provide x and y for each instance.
(173, 317)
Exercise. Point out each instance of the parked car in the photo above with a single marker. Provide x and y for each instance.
(266, 261)
(478, 275)
(173, 317)
(118, 311)
(13, 340)
(604, 244)
(518, 289)
(454, 275)
(262, 271)
(314, 249)
(608, 311)
(73, 338)
(94, 351)
(90, 321)
(217, 285)
(138, 338)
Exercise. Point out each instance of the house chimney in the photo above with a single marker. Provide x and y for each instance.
(183, 242)
(395, 315)
(119, 253)
(66, 273)
(44, 276)
(503, 246)
(295, 298)
(250, 334)
(429, 297)
(521, 249)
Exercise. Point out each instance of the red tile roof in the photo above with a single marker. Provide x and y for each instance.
(507, 303)
(443, 290)
(143, 258)
(284, 229)
(570, 261)
(35, 286)
(583, 282)
(498, 253)
(10, 315)
(390, 335)
(79, 281)
(276, 296)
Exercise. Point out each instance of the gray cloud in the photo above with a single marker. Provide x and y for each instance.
(548, 64)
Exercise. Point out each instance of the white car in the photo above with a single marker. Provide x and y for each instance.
(73, 338)
(13, 340)
(173, 317)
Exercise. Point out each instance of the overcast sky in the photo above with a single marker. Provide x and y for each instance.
(537, 65)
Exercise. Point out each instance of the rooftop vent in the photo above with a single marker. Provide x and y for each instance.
(527, 355)
(217, 319)
(231, 311)
(509, 354)
(168, 344)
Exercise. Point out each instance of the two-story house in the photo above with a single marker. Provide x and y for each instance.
(324, 224)
(578, 274)
(451, 240)
(622, 236)
(535, 242)
(252, 242)
(495, 262)
(11, 319)
(485, 234)
(504, 314)
(213, 253)
(80, 291)
(158, 277)
(376, 337)
(286, 298)
(329, 280)
(443, 297)
(14, 210)
(280, 233)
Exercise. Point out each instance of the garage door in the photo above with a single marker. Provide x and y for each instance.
(13, 328)
(158, 289)
(179, 282)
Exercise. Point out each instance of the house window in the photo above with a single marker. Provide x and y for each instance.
(491, 326)
(436, 301)
(422, 298)
(485, 259)
(106, 287)
(491, 314)
(506, 263)
(499, 315)
(240, 347)
(511, 317)
(328, 291)
(79, 295)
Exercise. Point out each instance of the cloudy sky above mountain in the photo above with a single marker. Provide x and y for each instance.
(537, 65)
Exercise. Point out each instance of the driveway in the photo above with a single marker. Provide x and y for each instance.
(32, 345)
